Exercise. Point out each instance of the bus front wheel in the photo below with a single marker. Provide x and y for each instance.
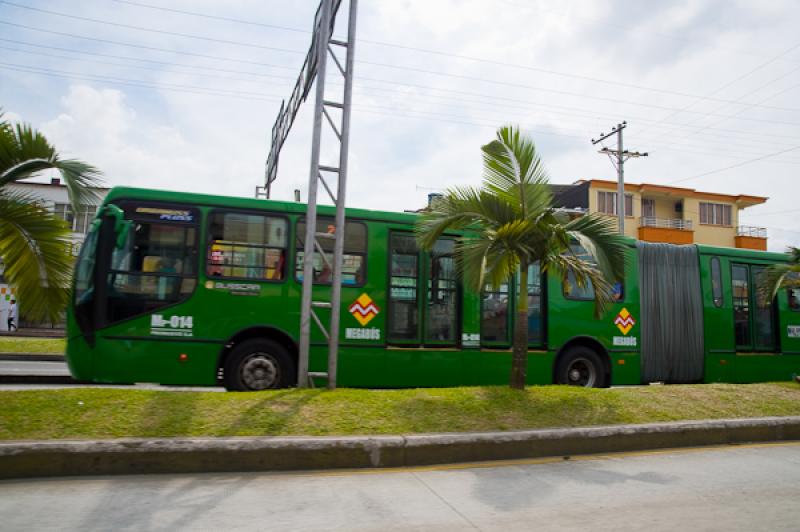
(581, 366)
(258, 364)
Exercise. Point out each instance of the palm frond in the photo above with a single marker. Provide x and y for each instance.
(598, 235)
(459, 208)
(25, 152)
(35, 247)
(584, 273)
(514, 170)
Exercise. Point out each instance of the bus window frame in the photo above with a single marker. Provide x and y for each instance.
(426, 258)
(423, 272)
(287, 258)
(510, 315)
(104, 267)
(403, 342)
(297, 251)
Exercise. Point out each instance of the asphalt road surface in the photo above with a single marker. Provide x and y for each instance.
(733, 488)
(38, 368)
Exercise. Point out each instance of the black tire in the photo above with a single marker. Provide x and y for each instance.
(581, 366)
(259, 364)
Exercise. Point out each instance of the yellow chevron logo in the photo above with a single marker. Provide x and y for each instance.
(624, 321)
(364, 309)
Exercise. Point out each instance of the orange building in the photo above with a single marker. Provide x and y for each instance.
(677, 215)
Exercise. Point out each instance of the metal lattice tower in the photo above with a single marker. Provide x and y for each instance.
(322, 48)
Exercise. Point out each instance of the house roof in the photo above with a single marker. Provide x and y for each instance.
(741, 200)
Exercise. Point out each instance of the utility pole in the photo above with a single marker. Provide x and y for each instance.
(618, 158)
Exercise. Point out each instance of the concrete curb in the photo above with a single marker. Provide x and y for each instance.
(194, 455)
(32, 357)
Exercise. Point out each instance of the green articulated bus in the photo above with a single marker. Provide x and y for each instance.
(191, 289)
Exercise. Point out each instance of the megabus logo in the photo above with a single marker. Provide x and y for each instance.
(624, 321)
(364, 309)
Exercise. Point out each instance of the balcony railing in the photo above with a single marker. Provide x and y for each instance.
(749, 230)
(666, 223)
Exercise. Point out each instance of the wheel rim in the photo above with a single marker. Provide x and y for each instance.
(581, 372)
(260, 371)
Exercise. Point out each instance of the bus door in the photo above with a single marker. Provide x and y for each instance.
(753, 312)
(145, 266)
(99, 242)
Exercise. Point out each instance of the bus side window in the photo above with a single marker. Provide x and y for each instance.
(403, 315)
(247, 246)
(793, 290)
(716, 282)
(353, 258)
(156, 264)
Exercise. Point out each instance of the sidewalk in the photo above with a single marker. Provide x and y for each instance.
(21, 459)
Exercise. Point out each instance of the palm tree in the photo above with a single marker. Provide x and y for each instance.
(513, 224)
(783, 275)
(34, 244)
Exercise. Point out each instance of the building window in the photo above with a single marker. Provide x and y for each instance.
(353, 257)
(79, 223)
(648, 208)
(607, 203)
(247, 246)
(715, 214)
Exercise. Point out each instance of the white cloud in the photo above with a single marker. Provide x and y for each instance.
(404, 137)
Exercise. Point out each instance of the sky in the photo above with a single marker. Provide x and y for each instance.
(182, 95)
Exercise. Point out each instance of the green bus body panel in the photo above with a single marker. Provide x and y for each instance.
(127, 352)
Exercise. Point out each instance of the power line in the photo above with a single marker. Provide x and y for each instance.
(749, 161)
(204, 73)
(650, 32)
(151, 30)
(580, 129)
(410, 69)
(140, 46)
(734, 115)
(154, 61)
(740, 111)
(736, 80)
(141, 84)
(213, 17)
(577, 111)
(402, 47)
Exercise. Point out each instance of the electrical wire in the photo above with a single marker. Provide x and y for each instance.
(401, 47)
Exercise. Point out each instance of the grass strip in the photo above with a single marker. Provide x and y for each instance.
(87, 413)
(10, 344)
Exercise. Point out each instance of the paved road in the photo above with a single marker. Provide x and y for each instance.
(38, 368)
(733, 488)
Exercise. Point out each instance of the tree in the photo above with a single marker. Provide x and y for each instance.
(511, 224)
(34, 244)
(783, 275)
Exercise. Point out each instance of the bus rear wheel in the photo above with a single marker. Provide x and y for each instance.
(258, 364)
(581, 366)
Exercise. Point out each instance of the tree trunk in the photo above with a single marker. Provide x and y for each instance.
(519, 359)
